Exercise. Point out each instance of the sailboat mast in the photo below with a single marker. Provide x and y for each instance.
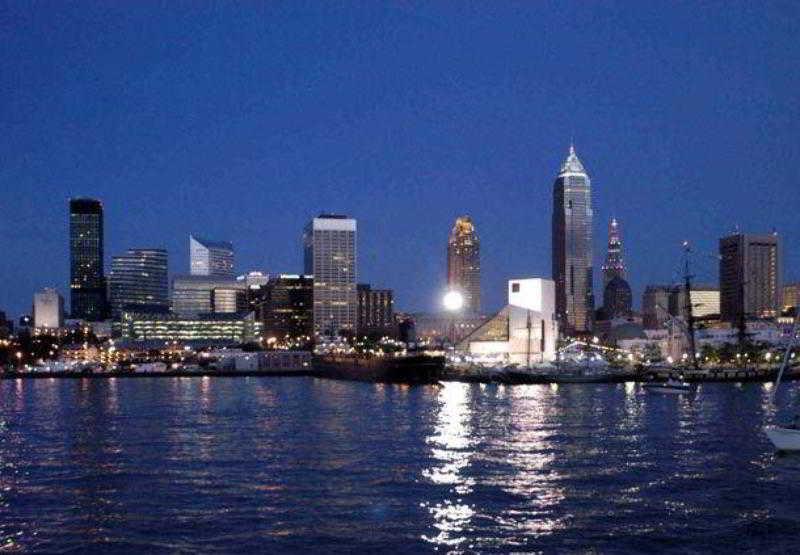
(528, 345)
(687, 277)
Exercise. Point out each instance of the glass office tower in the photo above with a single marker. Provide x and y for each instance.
(572, 246)
(330, 256)
(138, 278)
(87, 280)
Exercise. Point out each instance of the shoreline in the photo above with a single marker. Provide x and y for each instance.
(731, 376)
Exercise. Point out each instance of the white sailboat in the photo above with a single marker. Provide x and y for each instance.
(785, 438)
(671, 386)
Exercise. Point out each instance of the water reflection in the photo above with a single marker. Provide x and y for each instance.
(452, 448)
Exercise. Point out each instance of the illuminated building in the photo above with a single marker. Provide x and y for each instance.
(138, 277)
(614, 265)
(375, 310)
(192, 295)
(524, 332)
(87, 280)
(464, 263)
(655, 306)
(330, 256)
(749, 277)
(286, 306)
(572, 246)
(791, 296)
(210, 258)
(704, 301)
(48, 309)
(239, 328)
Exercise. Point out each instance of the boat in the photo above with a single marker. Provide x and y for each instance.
(786, 437)
(407, 369)
(669, 387)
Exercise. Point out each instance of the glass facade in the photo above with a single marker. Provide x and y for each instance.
(87, 279)
(171, 327)
(572, 246)
(750, 277)
(138, 278)
(210, 258)
(286, 307)
(464, 263)
(375, 310)
(193, 295)
(330, 256)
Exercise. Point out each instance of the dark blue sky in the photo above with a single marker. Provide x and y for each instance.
(239, 122)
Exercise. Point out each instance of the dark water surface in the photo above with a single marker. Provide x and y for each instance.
(301, 464)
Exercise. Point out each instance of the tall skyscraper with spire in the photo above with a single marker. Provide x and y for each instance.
(572, 246)
(464, 263)
(614, 265)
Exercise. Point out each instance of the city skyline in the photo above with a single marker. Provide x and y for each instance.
(176, 153)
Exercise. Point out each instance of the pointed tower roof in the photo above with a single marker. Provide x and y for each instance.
(572, 164)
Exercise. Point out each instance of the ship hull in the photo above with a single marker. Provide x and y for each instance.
(418, 369)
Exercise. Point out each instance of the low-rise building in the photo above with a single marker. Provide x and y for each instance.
(239, 328)
(524, 332)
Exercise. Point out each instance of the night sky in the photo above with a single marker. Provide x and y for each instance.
(239, 122)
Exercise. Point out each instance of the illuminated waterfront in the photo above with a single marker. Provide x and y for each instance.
(306, 464)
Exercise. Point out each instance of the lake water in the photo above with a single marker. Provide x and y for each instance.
(299, 464)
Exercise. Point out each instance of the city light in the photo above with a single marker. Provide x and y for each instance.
(453, 301)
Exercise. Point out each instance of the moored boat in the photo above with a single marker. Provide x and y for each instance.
(408, 369)
(671, 386)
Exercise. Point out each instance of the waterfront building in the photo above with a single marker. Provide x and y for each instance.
(464, 263)
(791, 296)
(655, 306)
(524, 332)
(210, 258)
(572, 246)
(138, 278)
(236, 328)
(615, 264)
(749, 277)
(704, 301)
(375, 311)
(192, 295)
(330, 256)
(437, 326)
(285, 308)
(87, 279)
(617, 298)
(48, 309)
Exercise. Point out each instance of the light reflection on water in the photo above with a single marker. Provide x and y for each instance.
(193, 464)
(451, 449)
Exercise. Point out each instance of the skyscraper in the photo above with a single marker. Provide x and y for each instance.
(210, 258)
(138, 279)
(87, 280)
(749, 276)
(464, 263)
(330, 256)
(572, 246)
(615, 265)
(285, 308)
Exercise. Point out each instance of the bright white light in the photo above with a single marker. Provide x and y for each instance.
(453, 301)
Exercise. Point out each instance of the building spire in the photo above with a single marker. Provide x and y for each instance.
(572, 164)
